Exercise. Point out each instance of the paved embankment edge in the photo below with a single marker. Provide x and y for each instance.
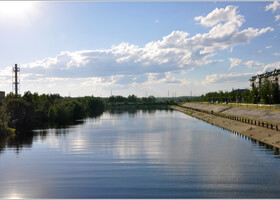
(261, 116)
(261, 135)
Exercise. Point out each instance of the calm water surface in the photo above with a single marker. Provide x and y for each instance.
(138, 154)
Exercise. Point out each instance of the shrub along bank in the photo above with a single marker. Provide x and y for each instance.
(19, 113)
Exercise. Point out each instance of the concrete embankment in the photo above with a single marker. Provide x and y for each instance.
(266, 136)
(270, 116)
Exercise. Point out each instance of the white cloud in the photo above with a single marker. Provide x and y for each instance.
(254, 64)
(234, 62)
(157, 21)
(153, 64)
(277, 18)
(225, 35)
(270, 67)
(7, 72)
(175, 52)
(264, 67)
(273, 6)
(221, 15)
(167, 78)
(276, 54)
(225, 78)
(101, 81)
(268, 47)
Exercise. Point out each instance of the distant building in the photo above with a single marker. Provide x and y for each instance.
(2, 94)
(258, 80)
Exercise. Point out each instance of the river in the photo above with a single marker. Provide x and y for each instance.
(138, 154)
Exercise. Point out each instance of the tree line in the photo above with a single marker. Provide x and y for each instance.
(267, 93)
(31, 110)
(19, 113)
(130, 99)
(150, 100)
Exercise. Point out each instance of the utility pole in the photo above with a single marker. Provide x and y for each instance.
(16, 70)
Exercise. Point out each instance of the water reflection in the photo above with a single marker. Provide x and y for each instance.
(26, 139)
(13, 196)
(77, 142)
(134, 112)
(139, 154)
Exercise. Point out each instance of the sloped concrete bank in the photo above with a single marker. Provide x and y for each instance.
(266, 116)
(261, 135)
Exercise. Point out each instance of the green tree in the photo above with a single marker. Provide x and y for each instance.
(132, 98)
(245, 96)
(151, 99)
(221, 96)
(20, 111)
(266, 92)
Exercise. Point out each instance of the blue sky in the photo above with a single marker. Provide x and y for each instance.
(93, 48)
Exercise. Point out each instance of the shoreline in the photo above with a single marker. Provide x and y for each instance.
(262, 135)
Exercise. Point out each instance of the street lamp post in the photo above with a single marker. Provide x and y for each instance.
(238, 101)
(270, 103)
(269, 99)
(256, 96)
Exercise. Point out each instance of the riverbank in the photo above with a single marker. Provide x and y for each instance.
(262, 115)
(262, 135)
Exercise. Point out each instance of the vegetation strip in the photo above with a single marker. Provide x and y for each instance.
(268, 137)
(267, 93)
(18, 114)
(21, 113)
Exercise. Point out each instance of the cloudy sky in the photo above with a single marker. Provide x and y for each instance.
(141, 48)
